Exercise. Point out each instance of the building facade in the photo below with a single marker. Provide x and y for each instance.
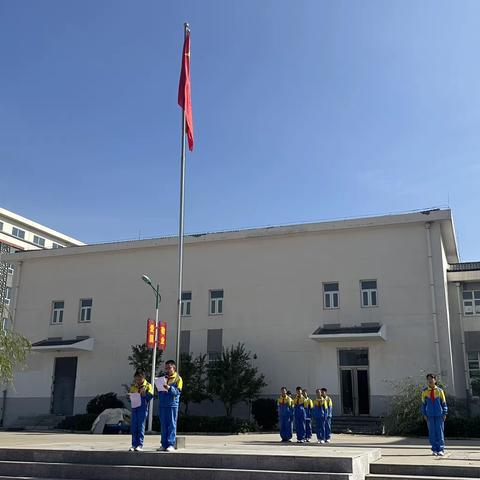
(18, 233)
(354, 305)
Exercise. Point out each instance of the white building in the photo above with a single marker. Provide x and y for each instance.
(353, 305)
(19, 233)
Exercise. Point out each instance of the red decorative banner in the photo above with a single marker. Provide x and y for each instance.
(162, 335)
(150, 333)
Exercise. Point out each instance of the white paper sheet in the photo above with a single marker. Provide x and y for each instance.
(159, 383)
(135, 400)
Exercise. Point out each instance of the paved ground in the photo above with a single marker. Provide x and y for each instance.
(393, 449)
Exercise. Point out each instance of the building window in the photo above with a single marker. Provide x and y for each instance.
(8, 296)
(471, 302)
(214, 344)
(1, 226)
(330, 295)
(39, 241)
(186, 304)
(216, 302)
(19, 233)
(56, 245)
(474, 372)
(57, 312)
(86, 309)
(185, 342)
(11, 269)
(369, 293)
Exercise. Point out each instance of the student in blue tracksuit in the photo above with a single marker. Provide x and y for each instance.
(168, 402)
(434, 411)
(327, 409)
(300, 416)
(319, 417)
(308, 404)
(284, 403)
(292, 415)
(139, 414)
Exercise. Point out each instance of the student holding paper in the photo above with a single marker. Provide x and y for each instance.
(169, 390)
(141, 392)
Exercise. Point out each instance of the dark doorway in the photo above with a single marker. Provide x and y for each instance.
(64, 377)
(354, 382)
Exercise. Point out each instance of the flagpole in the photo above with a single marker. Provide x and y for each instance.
(181, 222)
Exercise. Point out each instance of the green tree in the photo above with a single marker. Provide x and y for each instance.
(141, 357)
(14, 349)
(194, 376)
(233, 378)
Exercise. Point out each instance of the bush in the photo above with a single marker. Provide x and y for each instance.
(264, 410)
(199, 424)
(79, 423)
(101, 402)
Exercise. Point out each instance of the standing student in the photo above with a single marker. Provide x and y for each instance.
(300, 416)
(327, 415)
(434, 411)
(169, 400)
(285, 407)
(289, 394)
(319, 417)
(140, 413)
(308, 404)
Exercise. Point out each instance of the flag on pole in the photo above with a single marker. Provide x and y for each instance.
(184, 92)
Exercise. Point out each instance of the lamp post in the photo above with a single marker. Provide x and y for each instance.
(158, 299)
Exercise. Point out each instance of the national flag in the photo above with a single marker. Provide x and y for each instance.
(184, 91)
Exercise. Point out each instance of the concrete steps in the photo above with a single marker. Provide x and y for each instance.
(116, 465)
(439, 471)
(358, 425)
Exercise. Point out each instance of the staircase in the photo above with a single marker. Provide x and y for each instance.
(36, 422)
(358, 425)
(438, 471)
(103, 465)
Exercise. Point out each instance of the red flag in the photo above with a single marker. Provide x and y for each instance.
(184, 92)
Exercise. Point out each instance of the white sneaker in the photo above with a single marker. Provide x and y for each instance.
(434, 454)
(440, 454)
(322, 441)
(319, 441)
(131, 449)
(328, 441)
(170, 449)
(139, 449)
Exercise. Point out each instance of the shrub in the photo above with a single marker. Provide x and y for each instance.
(199, 424)
(264, 410)
(101, 402)
(79, 423)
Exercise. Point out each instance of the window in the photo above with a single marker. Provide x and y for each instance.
(214, 344)
(11, 269)
(17, 232)
(1, 226)
(216, 302)
(86, 310)
(186, 304)
(8, 296)
(474, 372)
(330, 295)
(471, 302)
(39, 241)
(369, 293)
(185, 342)
(57, 312)
(56, 245)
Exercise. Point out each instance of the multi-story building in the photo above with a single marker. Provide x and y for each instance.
(18, 233)
(353, 305)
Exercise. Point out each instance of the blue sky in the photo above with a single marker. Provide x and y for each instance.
(303, 111)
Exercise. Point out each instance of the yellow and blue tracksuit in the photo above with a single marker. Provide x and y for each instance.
(285, 407)
(300, 416)
(308, 405)
(168, 403)
(139, 414)
(434, 407)
(319, 418)
(292, 415)
(327, 409)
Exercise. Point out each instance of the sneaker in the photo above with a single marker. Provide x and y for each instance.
(170, 449)
(322, 441)
(131, 449)
(440, 454)
(319, 441)
(328, 441)
(139, 449)
(434, 454)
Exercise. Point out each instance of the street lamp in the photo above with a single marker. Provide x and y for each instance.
(158, 299)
